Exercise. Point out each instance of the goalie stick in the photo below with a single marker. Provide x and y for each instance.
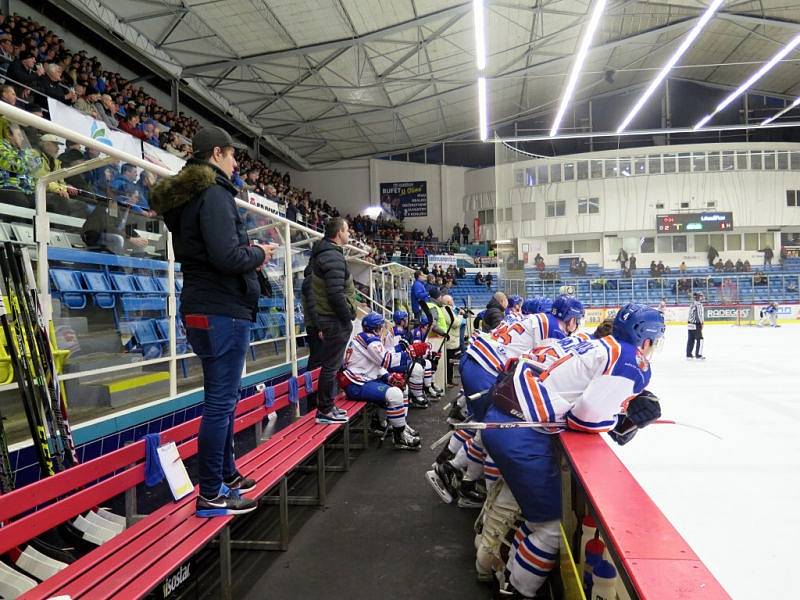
(563, 424)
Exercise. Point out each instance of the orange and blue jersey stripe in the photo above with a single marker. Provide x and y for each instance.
(490, 470)
(613, 350)
(544, 326)
(475, 452)
(577, 424)
(536, 396)
(487, 357)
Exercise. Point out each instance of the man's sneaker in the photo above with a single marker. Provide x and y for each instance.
(403, 440)
(418, 402)
(456, 414)
(239, 484)
(700, 357)
(332, 417)
(225, 504)
(470, 496)
(413, 432)
(341, 411)
(444, 478)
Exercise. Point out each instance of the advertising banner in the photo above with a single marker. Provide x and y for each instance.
(162, 158)
(405, 199)
(85, 125)
(443, 260)
(265, 203)
(727, 313)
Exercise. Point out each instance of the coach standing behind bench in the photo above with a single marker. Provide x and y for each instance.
(218, 304)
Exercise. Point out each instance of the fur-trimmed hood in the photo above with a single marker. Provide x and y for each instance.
(193, 179)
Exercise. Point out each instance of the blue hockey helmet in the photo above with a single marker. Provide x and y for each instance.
(635, 323)
(372, 322)
(545, 305)
(399, 316)
(423, 319)
(530, 306)
(566, 307)
(514, 300)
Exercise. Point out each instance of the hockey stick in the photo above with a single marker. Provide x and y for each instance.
(563, 424)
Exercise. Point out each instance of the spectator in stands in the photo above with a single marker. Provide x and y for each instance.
(784, 254)
(711, 255)
(660, 268)
(8, 95)
(58, 192)
(429, 233)
(50, 85)
(456, 233)
(633, 263)
(130, 125)
(332, 293)
(682, 267)
(768, 254)
(478, 278)
(719, 266)
(573, 266)
(124, 183)
(24, 73)
(106, 230)
(538, 259)
(729, 266)
(747, 268)
(622, 258)
(465, 234)
(626, 273)
(739, 266)
(85, 101)
(17, 165)
(653, 269)
(582, 266)
(760, 279)
(106, 109)
(489, 279)
(219, 301)
(144, 185)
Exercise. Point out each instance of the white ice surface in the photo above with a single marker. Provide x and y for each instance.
(736, 501)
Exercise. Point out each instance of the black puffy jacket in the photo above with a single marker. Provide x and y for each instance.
(492, 316)
(332, 285)
(210, 241)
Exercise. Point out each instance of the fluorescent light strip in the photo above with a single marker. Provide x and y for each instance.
(687, 41)
(780, 114)
(483, 113)
(480, 34)
(578, 64)
(753, 78)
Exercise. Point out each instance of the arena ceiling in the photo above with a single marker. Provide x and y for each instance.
(326, 80)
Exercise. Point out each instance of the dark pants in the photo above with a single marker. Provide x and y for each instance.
(465, 237)
(314, 347)
(452, 360)
(221, 343)
(695, 342)
(329, 354)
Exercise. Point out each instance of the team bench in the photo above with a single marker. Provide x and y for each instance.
(154, 546)
(657, 563)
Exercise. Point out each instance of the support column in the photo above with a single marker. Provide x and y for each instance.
(175, 94)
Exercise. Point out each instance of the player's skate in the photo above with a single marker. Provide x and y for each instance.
(418, 401)
(403, 440)
(470, 495)
(456, 415)
(444, 478)
(443, 456)
(377, 426)
(413, 432)
(433, 391)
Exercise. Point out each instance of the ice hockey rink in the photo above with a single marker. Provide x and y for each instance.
(735, 500)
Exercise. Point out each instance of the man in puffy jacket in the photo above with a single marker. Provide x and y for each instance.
(495, 311)
(332, 294)
(218, 304)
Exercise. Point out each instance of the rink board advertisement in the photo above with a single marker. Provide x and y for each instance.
(443, 260)
(727, 313)
(713, 313)
(405, 199)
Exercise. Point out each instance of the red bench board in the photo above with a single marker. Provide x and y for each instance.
(142, 556)
(658, 561)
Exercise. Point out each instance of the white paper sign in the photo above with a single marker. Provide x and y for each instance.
(174, 470)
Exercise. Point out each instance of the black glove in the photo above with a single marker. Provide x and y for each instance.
(623, 431)
(644, 409)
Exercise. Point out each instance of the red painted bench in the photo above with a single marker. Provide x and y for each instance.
(657, 561)
(137, 560)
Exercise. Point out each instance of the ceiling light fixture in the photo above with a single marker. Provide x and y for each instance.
(780, 114)
(753, 78)
(676, 56)
(483, 114)
(583, 50)
(480, 34)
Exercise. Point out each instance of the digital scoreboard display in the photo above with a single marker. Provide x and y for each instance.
(705, 221)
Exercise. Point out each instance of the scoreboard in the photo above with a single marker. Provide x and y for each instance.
(705, 221)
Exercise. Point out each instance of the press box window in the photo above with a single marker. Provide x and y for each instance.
(556, 208)
(588, 206)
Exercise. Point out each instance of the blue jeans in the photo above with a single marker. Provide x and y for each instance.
(221, 343)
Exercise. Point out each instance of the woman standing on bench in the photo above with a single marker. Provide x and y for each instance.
(219, 301)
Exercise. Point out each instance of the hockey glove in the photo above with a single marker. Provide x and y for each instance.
(623, 431)
(397, 380)
(644, 409)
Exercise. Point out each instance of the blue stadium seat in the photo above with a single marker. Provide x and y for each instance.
(69, 287)
(100, 287)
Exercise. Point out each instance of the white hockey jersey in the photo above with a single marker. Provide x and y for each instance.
(394, 337)
(584, 383)
(367, 359)
(492, 350)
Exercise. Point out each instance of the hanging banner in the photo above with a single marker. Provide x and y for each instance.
(406, 199)
(83, 124)
(476, 228)
(443, 260)
(162, 158)
(265, 203)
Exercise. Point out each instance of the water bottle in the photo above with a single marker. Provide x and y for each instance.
(603, 581)
(588, 531)
(594, 554)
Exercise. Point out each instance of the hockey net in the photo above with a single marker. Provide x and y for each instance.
(732, 307)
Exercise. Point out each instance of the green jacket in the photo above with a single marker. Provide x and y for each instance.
(17, 167)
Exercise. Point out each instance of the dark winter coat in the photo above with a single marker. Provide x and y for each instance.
(493, 315)
(307, 298)
(332, 285)
(210, 241)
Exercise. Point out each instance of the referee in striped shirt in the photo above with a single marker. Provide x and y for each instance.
(695, 325)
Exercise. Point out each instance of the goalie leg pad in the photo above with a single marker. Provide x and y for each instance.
(500, 513)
